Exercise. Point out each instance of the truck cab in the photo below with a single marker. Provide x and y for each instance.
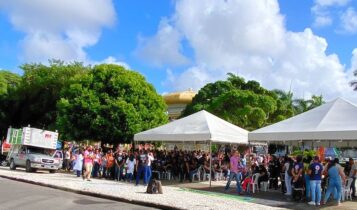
(32, 158)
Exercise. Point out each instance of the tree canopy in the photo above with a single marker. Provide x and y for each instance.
(110, 104)
(245, 104)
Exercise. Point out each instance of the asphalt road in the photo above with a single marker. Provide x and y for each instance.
(18, 195)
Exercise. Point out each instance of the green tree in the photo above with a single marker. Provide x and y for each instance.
(110, 104)
(8, 85)
(354, 82)
(245, 104)
(35, 98)
(302, 105)
(285, 108)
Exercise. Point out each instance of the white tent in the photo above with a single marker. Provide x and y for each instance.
(200, 126)
(331, 124)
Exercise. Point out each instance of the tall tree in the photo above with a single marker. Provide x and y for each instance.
(110, 104)
(302, 105)
(354, 82)
(9, 83)
(35, 99)
(245, 104)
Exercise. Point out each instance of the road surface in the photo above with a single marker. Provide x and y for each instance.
(20, 195)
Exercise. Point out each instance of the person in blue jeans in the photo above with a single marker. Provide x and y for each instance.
(315, 174)
(239, 177)
(142, 168)
(336, 178)
(233, 166)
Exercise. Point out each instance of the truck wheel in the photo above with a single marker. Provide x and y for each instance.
(28, 166)
(12, 164)
(52, 171)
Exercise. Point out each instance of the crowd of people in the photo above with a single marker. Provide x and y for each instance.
(291, 175)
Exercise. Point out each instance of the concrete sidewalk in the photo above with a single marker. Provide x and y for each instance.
(173, 197)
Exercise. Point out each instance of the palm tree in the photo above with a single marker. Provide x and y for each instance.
(301, 105)
(354, 82)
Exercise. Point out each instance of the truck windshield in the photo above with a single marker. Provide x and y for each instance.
(35, 150)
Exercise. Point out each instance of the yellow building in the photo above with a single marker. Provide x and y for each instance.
(177, 102)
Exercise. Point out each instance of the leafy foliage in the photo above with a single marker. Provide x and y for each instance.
(34, 101)
(247, 104)
(110, 104)
(354, 82)
(302, 105)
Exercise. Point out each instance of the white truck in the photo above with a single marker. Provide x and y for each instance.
(32, 149)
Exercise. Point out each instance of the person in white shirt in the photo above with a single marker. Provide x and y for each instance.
(130, 162)
(150, 159)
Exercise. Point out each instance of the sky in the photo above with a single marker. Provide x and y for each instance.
(308, 47)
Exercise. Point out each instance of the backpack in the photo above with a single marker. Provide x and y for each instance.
(291, 166)
(154, 187)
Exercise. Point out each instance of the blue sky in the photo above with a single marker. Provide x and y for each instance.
(181, 44)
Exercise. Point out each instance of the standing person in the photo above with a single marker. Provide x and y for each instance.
(288, 174)
(315, 173)
(336, 178)
(96, 163)
(141, 168)
(307, 162)
(233, 166)
(88, 163)
(150, 160)
(78, 163)
(110, 164)
(67, 160)
(119, 166)
(353, 174)
(130, 162)
(298, 172)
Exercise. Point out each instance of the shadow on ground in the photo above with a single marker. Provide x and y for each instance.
(271, 198)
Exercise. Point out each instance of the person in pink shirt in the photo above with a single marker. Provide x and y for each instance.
(88, 162)
(233, 166)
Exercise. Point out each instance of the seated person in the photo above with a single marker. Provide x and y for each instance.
(263, 175)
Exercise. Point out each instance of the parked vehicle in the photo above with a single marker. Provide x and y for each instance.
(32, 149)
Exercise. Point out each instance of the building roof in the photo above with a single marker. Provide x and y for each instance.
(184, 97)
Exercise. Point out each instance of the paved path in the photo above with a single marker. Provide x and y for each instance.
(19, 195)
(173, 197)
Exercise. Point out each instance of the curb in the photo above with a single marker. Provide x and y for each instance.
(98, 195)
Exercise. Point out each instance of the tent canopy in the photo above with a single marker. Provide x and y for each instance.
(334, 121)
(200, 126)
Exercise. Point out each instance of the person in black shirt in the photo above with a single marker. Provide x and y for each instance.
(274, 169)
(263, 175)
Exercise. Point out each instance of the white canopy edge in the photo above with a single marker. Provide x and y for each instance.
(296, 136)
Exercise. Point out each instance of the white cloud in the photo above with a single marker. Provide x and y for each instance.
(195, 77)
(112, 60)
(327, 3)
(249, 38)
(60, 30)
(322, 13)
(164, 48)
(322, 21)
(349, 21)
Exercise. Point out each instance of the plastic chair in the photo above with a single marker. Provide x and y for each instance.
(346, 190)
(206, 175)
(197, 174)
(254, 182)
(218, 175)
(265, 186)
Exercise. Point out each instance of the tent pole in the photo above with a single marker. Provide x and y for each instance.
(210, 163)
